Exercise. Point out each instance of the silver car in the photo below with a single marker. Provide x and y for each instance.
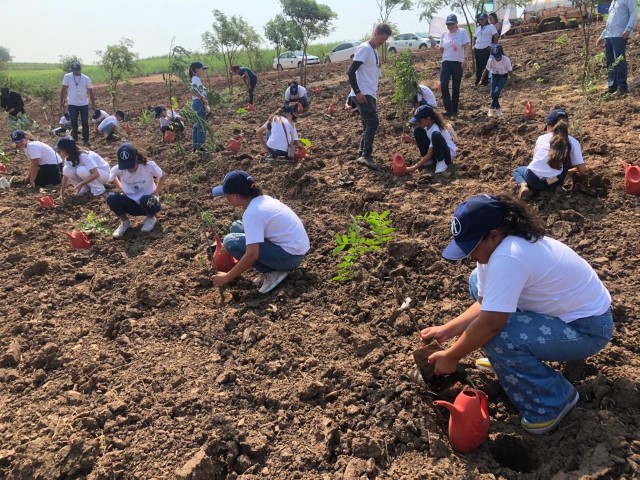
(411, 41)
(293, 60)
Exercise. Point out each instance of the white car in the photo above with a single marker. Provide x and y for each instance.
(343, 52)
(293, 60)
(411, 41)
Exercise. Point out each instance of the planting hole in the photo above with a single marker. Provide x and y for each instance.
(513, 453)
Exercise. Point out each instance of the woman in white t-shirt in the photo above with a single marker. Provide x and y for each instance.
(270, 237)
(139, 193)
(454, 44)
(199, 103)
(278, 133)
(86, 171)
(535, 301)
(485, 36)
(424, 96)
(44, 163)
(435, 139)
(555, 155)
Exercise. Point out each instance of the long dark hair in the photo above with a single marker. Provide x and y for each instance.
(73, 153)
(141, 159)
(520, 220)
(560, 148)
(440, 122)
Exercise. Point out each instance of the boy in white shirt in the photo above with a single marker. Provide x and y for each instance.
(65, 124)
(499, 65)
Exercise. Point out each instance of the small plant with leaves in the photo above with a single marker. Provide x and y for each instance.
(146, 117)
(562, 39)
(366, 233)
(4, 158)
(242, 112)
(95, 224)
(405, 75)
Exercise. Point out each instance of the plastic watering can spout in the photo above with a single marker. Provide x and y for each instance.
(530, 111)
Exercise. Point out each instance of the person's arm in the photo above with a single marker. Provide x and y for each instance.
(422, 161)
(484, 74)
(453, 328)
(633, 19)
(260, 133)
(63, 95)
(245, 263)
(63, 187)
(159, 186)
(245, 77)
(94, 174)
(355, 65)
(93, 98)
(116, 182)
(34, 166)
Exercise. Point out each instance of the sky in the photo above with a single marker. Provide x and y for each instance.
(42, 30)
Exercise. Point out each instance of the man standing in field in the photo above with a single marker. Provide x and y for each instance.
(623, 16)
(363, 78)
(75, 86)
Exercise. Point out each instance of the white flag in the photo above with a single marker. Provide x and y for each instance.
(506, 24)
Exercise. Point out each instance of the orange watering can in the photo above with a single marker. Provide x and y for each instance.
(631, 178)
(529, 111)
(78, 239)
(301, 152)
(128, 128)
(46, 201)
(399, 165)
(330, 110)
(469, 420)
(233, 145)
(249, 107)
(3, 168)
(300, 108)
(316, 90)
(220, 259)
(168, 136)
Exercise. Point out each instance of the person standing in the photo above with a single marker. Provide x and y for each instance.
(249, 78)
(622, 19)
(454, 44)
(199, 103)
(499, 69)
(493, 20)
(364, 74)
(485, 35)
(77, 88)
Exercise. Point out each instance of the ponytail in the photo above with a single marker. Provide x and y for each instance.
(141, 159)
(560, 148)
(439, 121)
(520, 220)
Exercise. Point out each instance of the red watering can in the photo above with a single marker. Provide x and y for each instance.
(301, 152)
(469, 420)
(300, 108)
(399, 165)
(220, 259)
(631, 178)
(316, 90)
(249, 107)
(168, 136)
(330, 110)
(45, 201)
(3, 168)
(233, 145)
(529, 111)
(78, 239)
(128, 128)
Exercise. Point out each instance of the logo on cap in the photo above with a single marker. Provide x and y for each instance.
(455, 226)
(14, 135)
(124, 155)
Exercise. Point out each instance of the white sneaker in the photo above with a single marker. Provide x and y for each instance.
(259, 280)
(491, 113)
(272, 280)
(499, 112)
(441, 166)
(148, 224)
(122, 228)
(98, 191)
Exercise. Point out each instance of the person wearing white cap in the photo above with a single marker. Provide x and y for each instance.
(44, 163)
(535, 301)
(271, 238)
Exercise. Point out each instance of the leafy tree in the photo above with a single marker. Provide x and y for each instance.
(5, 55)
(228, 36)
(386, 9)
(117, 61)
(67, 60)
(280, 32)
(312, 20)
(405, 76)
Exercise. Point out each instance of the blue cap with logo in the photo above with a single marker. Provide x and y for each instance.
(451, 19)
(497, 51)
(556, 115)
(472, 220)
(17, 135)
(423, 111)
(127, 156)
(236, 182)
(76, 67)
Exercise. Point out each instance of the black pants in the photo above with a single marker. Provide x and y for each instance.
(438, 143)
(49, 175)
(482, 57)
(450, 70)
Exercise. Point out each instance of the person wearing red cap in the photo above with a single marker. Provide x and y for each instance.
(271, 238)
(535, 301)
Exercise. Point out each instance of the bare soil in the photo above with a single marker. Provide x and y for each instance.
(120, 362)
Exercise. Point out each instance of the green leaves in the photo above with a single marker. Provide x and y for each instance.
(405, 75)
(368, 232)
(93, 223)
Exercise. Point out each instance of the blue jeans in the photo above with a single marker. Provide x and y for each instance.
(199, 132)
(370, 122)
(617, 77)
(438, 143)
(497, 84)
(303, 100)
(272, 258)
(519, 352)
(251, 89)
(450, 70)
(120, 204)
(276, 153)
(83, 111)
(523, 174)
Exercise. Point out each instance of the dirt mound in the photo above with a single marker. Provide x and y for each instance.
(118, 362)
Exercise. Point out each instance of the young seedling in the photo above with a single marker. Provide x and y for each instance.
(95, 224)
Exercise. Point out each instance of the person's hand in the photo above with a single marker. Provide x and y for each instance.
(443, 364)
(220, 279)
(463, 64)
(625, 34)
(406, 138)
(440, 333)
(600, 41)
(412, 168)
(360, 98)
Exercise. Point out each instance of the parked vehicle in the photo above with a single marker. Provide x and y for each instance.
(293, 60)
(342, 52)
(411, 41)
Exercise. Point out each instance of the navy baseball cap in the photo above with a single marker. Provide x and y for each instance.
(289, 109)
(236, 182)
(556, 115)
(497, 51)
(472, 220)
(483, 16)
(421, 112)
(127, 156)
(17, 135)
(451, 19)
(76, 67)
(195, 65)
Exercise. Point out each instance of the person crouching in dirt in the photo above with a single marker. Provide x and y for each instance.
(278, 133)
(169, 120)
(424, 96)
(109, 126)
(249, 78)
(139, 193)
(270, 237)
(296, 93)
(499, 68)
(45, 166)
(535, 301)
(435, 140)
(65, 124)
(555, 155)
(86, 171)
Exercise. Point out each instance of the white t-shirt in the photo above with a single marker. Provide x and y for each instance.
(499, 67)
(484, 36)
(110, 120)
(64, 122)
(539, 164)
(269, 219)
(452, 45)
(302, 92)
(42, 151)
(90, 160)
(426, 94)
(169, 119)
(101, 117)
(368, 73)
(277, 139)
(447, 138)
(197, 86)
(139, 183)
(77, 89)
(545, 277)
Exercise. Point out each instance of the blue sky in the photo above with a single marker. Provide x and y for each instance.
(42, 30)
